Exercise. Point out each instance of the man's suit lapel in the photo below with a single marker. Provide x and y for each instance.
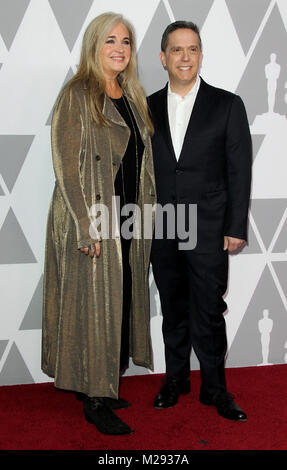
(163, 120)
(196, 122)
(197, 119)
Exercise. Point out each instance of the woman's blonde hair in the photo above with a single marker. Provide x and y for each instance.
(90, 70)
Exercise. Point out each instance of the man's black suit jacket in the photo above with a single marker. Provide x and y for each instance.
(214, 167)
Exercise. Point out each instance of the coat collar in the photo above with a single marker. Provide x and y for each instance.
(113, 115)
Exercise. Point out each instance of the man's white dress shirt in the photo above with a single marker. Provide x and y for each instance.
(179, 112)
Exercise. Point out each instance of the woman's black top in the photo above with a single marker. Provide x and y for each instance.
(126, 184)
(127, 178)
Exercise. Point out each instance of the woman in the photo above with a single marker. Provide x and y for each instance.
(96, 298)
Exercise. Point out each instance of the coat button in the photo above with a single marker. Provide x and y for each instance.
(98, 157)
(98, 197)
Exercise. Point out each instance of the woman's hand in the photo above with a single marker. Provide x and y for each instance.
(92, 250)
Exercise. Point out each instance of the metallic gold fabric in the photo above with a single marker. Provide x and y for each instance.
(82, 303)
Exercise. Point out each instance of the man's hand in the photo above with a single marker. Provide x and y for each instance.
(232, 244)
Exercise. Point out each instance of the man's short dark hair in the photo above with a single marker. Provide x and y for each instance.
(179, 25)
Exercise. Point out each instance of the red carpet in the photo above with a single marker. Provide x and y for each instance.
(40, 417)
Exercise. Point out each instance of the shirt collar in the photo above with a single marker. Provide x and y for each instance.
(191, 92)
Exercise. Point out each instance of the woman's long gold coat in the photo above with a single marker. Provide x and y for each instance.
(82, 303)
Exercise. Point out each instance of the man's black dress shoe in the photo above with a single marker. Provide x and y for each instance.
(225, 405)
(169, 393)
(113, 403)
(97, 412)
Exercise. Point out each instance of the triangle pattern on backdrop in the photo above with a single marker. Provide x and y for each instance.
(12, 14)
(12, 239)
(267, 214)
(280, 268)
(15, 370)
(281, 242)
(13, 152)
(68, 77)
(252, 245)
(151, 73)
(33, 316)
(247, 346)
(257, 140)
(247, 19)
(253, 84)
(197, 10)
(3, 344)
(70, 15)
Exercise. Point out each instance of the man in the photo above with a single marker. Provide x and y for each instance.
(202, 156)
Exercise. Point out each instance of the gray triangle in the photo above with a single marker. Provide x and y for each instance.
(33, 316)
(14, 246)
(153, 294)
(3, 344)
(15, 370)
(281, 242)
(194, 362)
(70, 15)
(151, 73)
(12, 14)
(252, 246)
(280, 268)
(0, 66)
(257, 140)
(191, 10)
(1, 191)
(253, 84)
(68, 77)
(13, 151)
(247, 19)
(267, 214)
(246, 349)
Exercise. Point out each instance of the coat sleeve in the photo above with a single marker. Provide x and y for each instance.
(239, 161)
(67, 149)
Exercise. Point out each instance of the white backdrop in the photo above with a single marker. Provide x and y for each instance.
(40, 42)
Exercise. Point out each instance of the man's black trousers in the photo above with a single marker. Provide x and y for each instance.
(191, 286)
